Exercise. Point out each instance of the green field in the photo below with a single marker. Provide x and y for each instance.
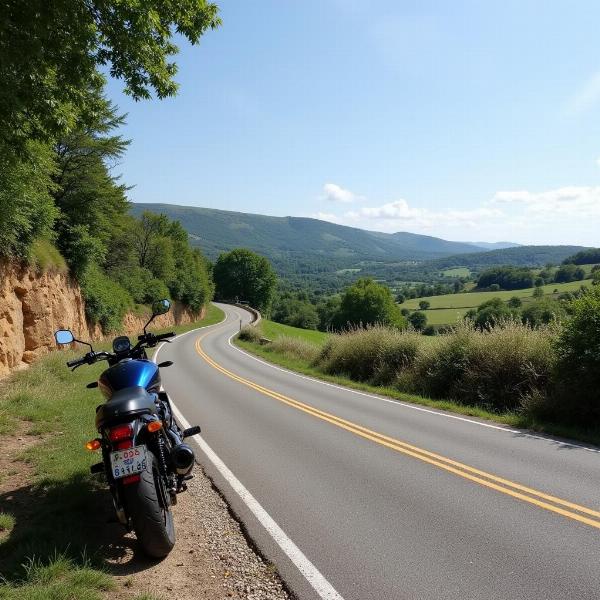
(457, 272)
(274, 330)
(449, 308)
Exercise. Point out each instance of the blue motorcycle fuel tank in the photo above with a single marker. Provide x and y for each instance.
(130, 373)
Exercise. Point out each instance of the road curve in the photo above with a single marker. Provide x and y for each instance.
(387, 500)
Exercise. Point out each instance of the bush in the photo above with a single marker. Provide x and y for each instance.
(418, 320)
(375, 354)
(496, 368)
(106, 302)
(577, 375)
(424, 304)
(250, 334)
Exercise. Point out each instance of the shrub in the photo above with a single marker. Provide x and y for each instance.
(375, 354)
(293, 347)
(424, 304)
(515, 302)
(491, 313)
(250, 334)
(577, 375)
(495, 368)
(106, 302)
(418, 320)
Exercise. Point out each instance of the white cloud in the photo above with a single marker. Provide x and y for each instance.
(336, 193)
(586, 96)
(569, 201)
(399, 214)
(598, 161)
(569, 214)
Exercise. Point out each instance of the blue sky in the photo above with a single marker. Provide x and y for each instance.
(466, 120)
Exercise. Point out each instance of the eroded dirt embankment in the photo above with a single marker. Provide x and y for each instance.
(33, 305)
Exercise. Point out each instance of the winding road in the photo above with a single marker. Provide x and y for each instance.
(359, 497)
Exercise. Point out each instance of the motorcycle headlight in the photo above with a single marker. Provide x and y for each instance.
(121, 344)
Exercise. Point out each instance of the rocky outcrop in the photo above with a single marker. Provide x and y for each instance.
(34, 305)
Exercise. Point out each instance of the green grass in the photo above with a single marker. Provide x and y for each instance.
(274, 330)
(45, 256)
(57, 519)
(508, 418)
(457, 272)
(59, 578)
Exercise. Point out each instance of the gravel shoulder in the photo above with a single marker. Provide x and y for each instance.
(211, 560)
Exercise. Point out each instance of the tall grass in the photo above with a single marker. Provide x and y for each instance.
(496, 369)
(376, 354)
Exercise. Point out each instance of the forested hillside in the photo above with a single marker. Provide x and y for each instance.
(299, 240)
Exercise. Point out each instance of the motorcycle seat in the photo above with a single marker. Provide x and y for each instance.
(125, 404)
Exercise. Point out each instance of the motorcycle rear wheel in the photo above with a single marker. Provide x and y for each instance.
(148, 506)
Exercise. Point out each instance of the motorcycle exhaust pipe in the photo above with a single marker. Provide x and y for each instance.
(183, 459)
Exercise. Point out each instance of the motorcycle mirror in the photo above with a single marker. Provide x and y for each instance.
(64, 336)
(160, 307)
(165, 363)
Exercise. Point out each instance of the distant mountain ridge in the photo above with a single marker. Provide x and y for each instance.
(217, 231)
(302, 248)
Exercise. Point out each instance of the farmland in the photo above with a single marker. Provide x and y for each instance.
(449, 308)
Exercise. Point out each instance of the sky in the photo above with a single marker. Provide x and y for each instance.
(466, 120)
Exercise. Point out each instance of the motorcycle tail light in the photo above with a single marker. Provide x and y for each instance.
(123, 445)
(130, 479)
(120, 432)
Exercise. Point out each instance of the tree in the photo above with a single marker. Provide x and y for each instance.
(400, 298)
(89, 197)
(418, 320)
(541, 312)
(243, 275)
(569, 272)
(26, 207)
(491, 313)
(507, 278)
(368, 303)
(51, 53)
(424, 304)
(515, 302)
(596, 277)
(538, 292)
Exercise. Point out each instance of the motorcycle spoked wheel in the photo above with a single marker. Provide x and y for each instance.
(148, 506)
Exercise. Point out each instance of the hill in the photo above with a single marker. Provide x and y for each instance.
(530, 256)
(298, 238)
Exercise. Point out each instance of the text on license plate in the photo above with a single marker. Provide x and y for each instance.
(128, 462)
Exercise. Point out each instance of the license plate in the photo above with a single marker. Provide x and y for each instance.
(128, 462)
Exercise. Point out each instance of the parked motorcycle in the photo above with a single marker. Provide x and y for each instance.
(144, 459)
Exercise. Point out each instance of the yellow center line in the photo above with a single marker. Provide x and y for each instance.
(478, 476)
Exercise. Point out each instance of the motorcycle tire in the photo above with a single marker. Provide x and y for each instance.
(148, 506)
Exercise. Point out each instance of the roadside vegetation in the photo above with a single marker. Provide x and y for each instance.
(546, 378)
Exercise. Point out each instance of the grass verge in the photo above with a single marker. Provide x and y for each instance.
(54, 531)
(303, 366)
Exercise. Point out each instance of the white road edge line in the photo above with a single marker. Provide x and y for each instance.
(414, 406)
(314, 577)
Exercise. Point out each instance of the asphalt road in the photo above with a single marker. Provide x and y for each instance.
(390, 501)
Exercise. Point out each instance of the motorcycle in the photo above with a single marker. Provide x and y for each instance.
(144, 458)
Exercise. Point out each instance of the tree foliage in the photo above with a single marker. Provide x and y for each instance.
(366, 303)
(569, 272)
(245, 276)
(51, 52)
(585, 257)
(507, 278)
